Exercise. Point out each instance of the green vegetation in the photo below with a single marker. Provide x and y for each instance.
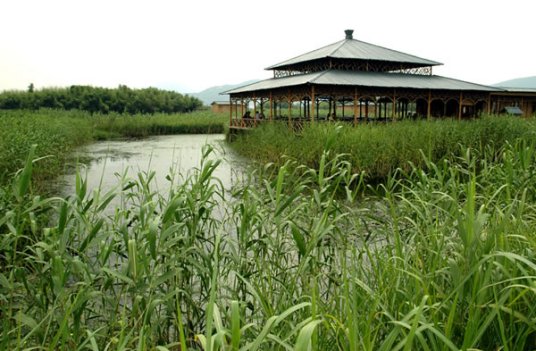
(57, 133)
(293, 257)
(379, 149)
(138, 126)
(439, 255)
(100, 100)
(443, 260)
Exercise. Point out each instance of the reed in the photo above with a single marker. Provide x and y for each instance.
(56, 133)
(378, 149)
(292, 258)
(139, 126)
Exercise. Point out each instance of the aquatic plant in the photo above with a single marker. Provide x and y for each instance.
(380, 148)
(57, 133)
(292, 258)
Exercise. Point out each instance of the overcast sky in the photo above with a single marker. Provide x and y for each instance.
(190, 45)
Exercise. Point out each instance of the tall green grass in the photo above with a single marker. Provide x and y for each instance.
(292, 258)
(56, 133)
(137, 126)
(378, 149)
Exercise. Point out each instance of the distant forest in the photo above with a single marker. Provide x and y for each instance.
(100, 100)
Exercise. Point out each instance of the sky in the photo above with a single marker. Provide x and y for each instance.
(192, 45)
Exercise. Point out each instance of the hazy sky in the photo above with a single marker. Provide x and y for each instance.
(195, 44)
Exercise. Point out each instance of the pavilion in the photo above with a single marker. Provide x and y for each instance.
(356, 81)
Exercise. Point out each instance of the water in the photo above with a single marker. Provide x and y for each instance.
(162, 154)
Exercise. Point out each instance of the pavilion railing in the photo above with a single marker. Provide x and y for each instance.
(297, 124)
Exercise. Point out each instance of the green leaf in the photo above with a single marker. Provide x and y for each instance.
(26, 175)
(303, 342)
(26, 320)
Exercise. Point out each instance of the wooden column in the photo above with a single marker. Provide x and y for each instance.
(334, 107)
(242, 112)
(355, 106)
(393, 112)
(460, 105)
(313, 102)
(271, 107)
(230, 111)
(489, 104)
(289, 108)
(254, 110)
(429, 111)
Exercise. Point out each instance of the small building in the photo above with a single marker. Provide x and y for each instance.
(354, 80)
(221, 107)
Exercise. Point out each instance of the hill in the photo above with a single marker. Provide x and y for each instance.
(525, 82)
(213, 93)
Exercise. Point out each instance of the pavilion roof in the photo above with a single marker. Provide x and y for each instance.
(518, 90)
(365, 79)
(350, 48)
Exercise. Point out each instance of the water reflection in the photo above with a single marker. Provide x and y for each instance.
(162, 154)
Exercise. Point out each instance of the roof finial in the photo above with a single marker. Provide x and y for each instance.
(349, 33)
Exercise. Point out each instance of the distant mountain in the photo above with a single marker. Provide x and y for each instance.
(525, 82)
(212, 94)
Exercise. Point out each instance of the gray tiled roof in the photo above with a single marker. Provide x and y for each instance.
(365, 79)
(359, 50)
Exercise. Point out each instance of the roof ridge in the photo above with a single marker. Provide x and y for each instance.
(342, 42)
(400, 52)
(320, 74)
(307, 53)
(358, 50)
(465, 81)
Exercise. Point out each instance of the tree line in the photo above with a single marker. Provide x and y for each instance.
(100, 100)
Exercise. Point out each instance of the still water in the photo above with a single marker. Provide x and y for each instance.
(162, 154)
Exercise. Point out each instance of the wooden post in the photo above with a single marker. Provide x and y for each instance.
(230, 111)
(355, 106)
(334, 107)
(313, 102)
(489, 104)
(271, 107)
(242, 112)
(254, 110)
(460, 105)
(393, 112)
(289, 108)
(429, 111)
(317, 102)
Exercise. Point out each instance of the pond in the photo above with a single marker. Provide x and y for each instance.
(108, 160)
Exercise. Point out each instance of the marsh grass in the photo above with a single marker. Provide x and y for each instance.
(301, 259)
(138, 126)
(56, 134)
(379, 149)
